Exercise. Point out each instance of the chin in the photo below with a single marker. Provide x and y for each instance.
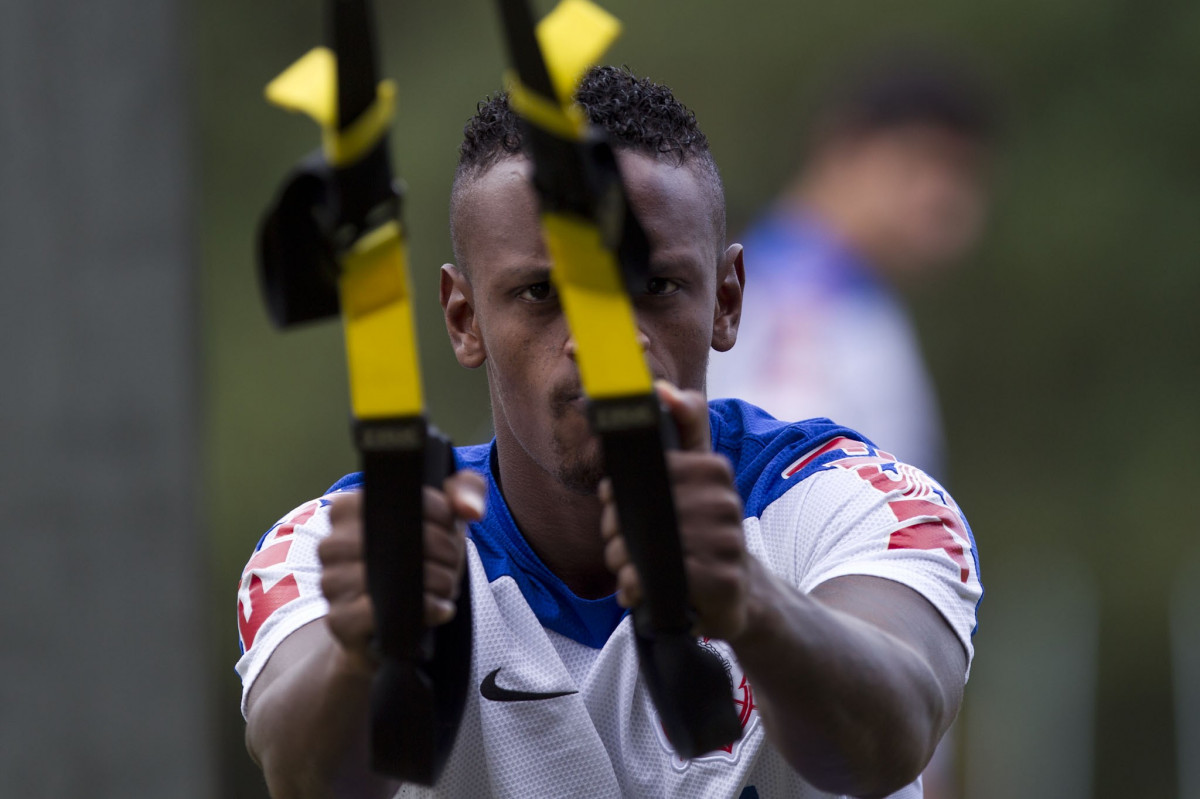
(581, 467)
(582, 479)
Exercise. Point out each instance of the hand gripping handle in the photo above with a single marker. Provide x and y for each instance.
(688, 684)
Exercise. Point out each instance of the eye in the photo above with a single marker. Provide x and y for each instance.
(537, 292)
(661, 286)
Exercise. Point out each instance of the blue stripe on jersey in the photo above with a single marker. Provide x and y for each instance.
(760, 448)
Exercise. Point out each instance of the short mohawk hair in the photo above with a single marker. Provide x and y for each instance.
(637, 113)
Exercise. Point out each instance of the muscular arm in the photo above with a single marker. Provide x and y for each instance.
(856, 681)
(307, 712)
(306, 723)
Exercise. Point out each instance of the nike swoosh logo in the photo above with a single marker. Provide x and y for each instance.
(489, 690)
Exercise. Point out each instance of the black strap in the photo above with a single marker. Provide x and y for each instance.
(419, 691)
(420, 688)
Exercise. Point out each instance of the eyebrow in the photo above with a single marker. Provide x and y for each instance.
(675, 263)
(527, 274)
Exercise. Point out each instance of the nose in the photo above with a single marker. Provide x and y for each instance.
(643, 340)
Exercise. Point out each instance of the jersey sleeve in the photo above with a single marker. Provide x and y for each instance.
(862, 512)
(280, 588)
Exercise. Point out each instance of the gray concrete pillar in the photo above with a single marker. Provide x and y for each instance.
(103, 640)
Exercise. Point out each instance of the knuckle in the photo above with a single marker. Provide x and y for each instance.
(439, 581)
(437, 507)
(615, 555)
(729, 506)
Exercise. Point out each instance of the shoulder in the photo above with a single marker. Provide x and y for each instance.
(769, 456)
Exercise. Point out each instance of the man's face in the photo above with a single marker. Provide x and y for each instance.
(511, 318)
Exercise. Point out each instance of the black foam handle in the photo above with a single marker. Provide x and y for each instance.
(419, 691)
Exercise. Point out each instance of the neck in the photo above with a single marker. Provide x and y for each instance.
(560, 525)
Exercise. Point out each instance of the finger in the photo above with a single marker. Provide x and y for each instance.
(700, 468)
(467, 493)
(352, 623)
(344, 581)
(441, 582)
(345, 506)
(610, 523)
(605, 490)
(616, 555)
(689, 410)
(444, 546)
(340, 548)
(438, 610)
(436, 507)
(629, 587)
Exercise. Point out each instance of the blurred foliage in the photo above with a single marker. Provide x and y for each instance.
(1063, 354)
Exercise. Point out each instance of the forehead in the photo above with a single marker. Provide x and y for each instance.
(496, 212)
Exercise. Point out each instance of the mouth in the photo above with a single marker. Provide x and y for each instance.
(568, 399)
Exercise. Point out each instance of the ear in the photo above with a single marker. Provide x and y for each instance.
(458, 307)
(727, 315)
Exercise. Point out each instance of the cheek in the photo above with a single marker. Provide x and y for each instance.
(520, 357)
(679, 347)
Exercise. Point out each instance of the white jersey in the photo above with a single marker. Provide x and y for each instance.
(820, 503)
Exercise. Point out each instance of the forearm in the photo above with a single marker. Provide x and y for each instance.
(308, 727)
(852, 707)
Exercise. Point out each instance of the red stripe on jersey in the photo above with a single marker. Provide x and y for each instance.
(941, 527)
(263, 604)
(851, 447)
(274, 551)
(268, 556)
(286, 529)
(935, 534)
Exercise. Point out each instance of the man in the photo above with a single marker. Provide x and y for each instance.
(843, 614)
(893, 190)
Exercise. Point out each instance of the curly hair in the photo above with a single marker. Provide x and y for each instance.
(638, 115)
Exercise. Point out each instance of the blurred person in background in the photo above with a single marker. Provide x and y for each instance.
(893, 188)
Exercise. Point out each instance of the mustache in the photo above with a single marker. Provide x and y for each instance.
(568, 392)
(564, 395)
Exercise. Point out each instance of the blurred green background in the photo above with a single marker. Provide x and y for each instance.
(1064, 352)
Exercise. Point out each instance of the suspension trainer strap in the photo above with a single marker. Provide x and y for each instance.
(335, 240)
(599, 250)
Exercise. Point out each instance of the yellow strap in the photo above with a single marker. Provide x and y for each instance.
(565, 122)
(309, 86)
(598, 310)
(381, 345)
(611, 361)
(573, 37)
